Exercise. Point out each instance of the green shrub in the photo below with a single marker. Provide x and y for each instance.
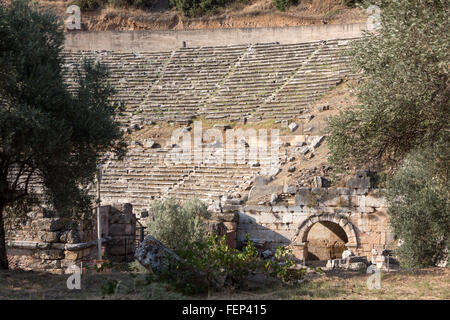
(283, 5)
(281, 266)
(109, 287)
(131, 3)
(178, 226)
(212, 265)
(196, 8)
(87, 5)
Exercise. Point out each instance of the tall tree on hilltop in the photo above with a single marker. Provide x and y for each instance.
(46, 131)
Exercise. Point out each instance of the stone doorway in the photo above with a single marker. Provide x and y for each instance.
(333, 232)
(326, 240)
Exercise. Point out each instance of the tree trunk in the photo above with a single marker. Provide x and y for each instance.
(3, 256)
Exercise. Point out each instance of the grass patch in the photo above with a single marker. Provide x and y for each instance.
(428, 284)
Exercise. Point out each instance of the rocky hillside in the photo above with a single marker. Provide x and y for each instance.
(248, 14)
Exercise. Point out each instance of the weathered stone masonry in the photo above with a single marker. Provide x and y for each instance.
(46, 243)
(357, 210)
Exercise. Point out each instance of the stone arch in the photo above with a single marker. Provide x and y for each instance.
(302, 232)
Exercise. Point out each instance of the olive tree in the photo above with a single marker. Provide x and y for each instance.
(401, 123)
(404, 89)
(49, 134)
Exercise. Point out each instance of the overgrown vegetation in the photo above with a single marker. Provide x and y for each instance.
(142, 4)
(208, 262)
(211, 265)
(403, 121)
(87, 5)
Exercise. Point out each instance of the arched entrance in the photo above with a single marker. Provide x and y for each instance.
(326, 240)
(321, 237)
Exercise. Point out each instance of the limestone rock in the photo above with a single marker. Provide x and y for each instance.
(323, 108)
(293, 126)
(302, 150)
(267, 254)
(261, 181)
(346, 254)
(154, 255)
(222, 126)
(361, 182)
(357, 266)
(273, 198)
(316, 141)
(151, 144)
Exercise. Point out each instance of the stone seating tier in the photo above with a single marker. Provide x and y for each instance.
(264, 79)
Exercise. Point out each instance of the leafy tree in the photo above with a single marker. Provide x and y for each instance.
(402, 121)
(404, 91)
(419, 206)
(48, 133)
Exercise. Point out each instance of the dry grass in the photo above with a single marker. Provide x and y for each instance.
(429, 284)
(244, 14)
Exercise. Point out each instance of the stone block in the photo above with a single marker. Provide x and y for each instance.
(303, 197)
(268, 217)
(375, 201)
(117, 229)
(154, 255)
(73, 255)
(70, 236)
(230, 226)
(48, 236)
(289, 189)
(50, 254)
(228, 217)
(48, 224)
(315, 141)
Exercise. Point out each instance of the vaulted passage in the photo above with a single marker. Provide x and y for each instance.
(326, 240)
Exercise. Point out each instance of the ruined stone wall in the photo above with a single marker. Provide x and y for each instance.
(145, 40)
(226, 224)
(45, 243)
(121, 231)
(358, 211)
(51, 244)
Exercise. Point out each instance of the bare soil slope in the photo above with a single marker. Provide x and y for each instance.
(255, 14)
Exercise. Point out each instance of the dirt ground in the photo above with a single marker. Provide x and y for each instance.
(250, 14)
(426, 284)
